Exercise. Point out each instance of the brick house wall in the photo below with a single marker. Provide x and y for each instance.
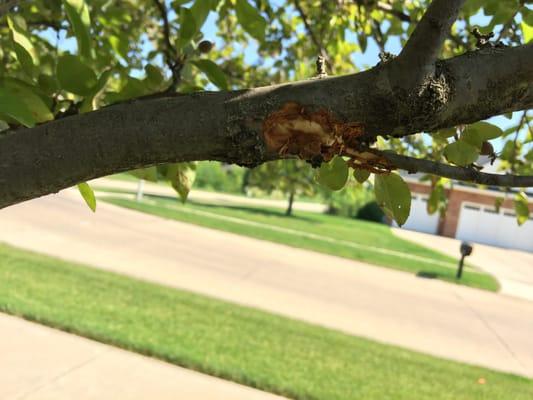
(456, 197)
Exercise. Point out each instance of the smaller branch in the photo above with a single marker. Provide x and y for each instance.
(504, 32)
(311, 33)
(380, 40)
(174, 63)
(388, 9)
(421, 51)
(413, 165)
(515, 147)
(458, 42)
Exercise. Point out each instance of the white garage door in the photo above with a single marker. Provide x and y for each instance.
(482, 224)
(419, 220)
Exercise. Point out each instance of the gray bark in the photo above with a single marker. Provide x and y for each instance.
(227, 126)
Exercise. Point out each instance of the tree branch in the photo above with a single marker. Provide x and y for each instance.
(228, 126)
(413, 165)
(7, 5)
(310, 31)
(418, 57)
(388, 9)
(174, 63)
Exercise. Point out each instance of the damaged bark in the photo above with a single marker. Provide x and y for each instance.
(318, 116)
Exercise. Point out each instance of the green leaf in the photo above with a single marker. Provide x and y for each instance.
(88, 103)
(251, 20)
(521, 207)
(187, 27)
(148, 174)
(181, 177)
(527, 30)
(435, 199)
(154, 76)
(461, 153)
(510, 150)
(22, 103)
(88, 195)
(24, 49)
(74, 76)
(480, 132)
(120, 44)
(362, 39)
(213, 72)
(200, 10)
(444, 134)
(333, 174)
(361, 175)
(80, 21)
(133, 88)
(177, 3)
(393, 196)
(48, 83)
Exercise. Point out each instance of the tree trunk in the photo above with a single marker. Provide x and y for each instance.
(140, 190)
(288, 212)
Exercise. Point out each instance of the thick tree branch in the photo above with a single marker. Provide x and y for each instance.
(228, 126)
(418, 57)
(413, 165)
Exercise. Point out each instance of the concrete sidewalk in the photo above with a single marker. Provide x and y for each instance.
(430, 316)
(40, 363)
(512, 268)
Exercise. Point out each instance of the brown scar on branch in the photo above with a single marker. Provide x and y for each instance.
(368, 160)
(293, 130)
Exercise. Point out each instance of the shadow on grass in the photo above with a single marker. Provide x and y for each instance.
(428, 275)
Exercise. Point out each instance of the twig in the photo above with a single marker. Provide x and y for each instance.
(517, 132)
(311, 33)
(174, 63)
(380, 40)
(388, 9)
(413, 165)
(505, 28)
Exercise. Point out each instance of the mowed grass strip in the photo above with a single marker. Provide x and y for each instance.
(360, 233)
(248, 346)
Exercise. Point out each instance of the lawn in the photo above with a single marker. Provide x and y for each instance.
(252, 347)
(350, 238)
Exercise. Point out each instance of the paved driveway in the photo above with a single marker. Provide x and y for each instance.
(512, 268)
(434, 317)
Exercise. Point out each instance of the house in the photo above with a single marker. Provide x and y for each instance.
(471, 216)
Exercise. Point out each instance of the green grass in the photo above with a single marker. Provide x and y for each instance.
(251, 347)
(331, 230)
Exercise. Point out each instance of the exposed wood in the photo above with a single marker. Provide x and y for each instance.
(227, 126)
